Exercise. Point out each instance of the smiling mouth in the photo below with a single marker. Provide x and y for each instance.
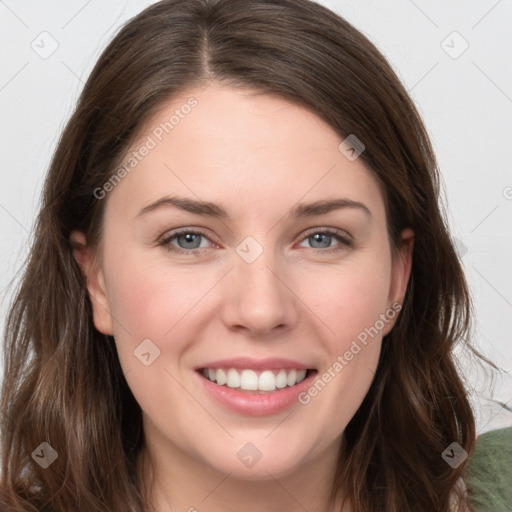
(256, 382)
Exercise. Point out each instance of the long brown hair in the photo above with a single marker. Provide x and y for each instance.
(63, 382)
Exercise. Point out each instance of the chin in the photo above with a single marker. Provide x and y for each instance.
(251, 463)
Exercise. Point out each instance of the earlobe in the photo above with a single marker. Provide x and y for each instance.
(401, 271)
(96, 287)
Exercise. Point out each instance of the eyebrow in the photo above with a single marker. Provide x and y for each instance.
(209, 209)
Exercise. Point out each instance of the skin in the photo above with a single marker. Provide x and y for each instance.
(258, 156)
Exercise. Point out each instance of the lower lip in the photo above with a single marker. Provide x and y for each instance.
(254, 404)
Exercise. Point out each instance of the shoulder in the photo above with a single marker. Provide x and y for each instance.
(489, 474)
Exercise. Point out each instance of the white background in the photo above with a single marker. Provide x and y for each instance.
(466, 103)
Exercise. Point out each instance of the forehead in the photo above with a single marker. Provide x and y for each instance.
(234, 146)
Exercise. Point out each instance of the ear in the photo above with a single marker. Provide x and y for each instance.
(93, 275)
(400, 273)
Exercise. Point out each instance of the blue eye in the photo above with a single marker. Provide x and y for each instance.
(321, 240)
(189, 242)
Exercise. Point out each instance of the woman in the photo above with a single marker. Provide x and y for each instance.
(241, 292)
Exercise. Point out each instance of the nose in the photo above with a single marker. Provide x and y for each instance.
(260, 298)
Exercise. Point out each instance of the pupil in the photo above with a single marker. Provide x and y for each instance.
(322, 239)
(190, 240)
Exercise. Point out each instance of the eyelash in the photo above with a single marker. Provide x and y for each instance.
(337, 234)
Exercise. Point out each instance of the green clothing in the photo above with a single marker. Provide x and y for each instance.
(489, 474)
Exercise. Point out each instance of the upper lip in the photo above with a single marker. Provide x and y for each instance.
(256, 364)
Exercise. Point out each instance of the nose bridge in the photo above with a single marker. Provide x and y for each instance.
(259, 300)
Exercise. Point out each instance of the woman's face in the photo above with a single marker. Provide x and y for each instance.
(242, 244)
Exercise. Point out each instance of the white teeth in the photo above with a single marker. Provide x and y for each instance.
(301, 375)
(281, 379)
(267, 381)
(249, 380)
(233, 379)
(220, 377)
(292, 378)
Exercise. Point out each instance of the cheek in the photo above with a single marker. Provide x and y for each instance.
(350, 302)
(351, 307)
(149, 301)
(349, 299)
